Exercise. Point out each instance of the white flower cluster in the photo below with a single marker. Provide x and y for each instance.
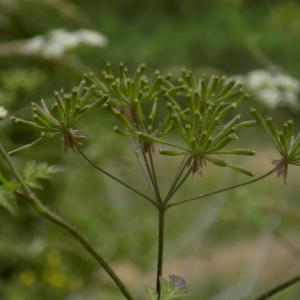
(274, 89)
(3, 113)
(57, 42)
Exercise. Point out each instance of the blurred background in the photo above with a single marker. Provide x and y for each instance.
(230, 247)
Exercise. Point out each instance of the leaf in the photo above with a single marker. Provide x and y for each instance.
(179, 285)
(34, 172)
(151, 293)
(7, 201)
(175, 287)
(166, 289)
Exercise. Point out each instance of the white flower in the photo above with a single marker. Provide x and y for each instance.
(59, 41)
(34, 45)
(3, 113)
(273, 88)
(270, 97)
(287, 82)
(92, 38)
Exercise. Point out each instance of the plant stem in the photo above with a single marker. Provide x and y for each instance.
(179, 184)
(43, 211)
(160, 255)
(56, 219)
(14, 171)
(25, 147)
(141, 163)
(222, 190)
(177, 177)
(114, 177)
(154, 177)
(278, 289)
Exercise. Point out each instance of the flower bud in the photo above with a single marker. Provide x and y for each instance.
(241, 170)
(217, 162)
(170, 152)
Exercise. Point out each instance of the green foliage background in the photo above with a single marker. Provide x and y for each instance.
(39, 262)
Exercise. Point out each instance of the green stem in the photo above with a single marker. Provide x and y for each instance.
(151, 176)
(16, 174)
(141, 163)
(56, 219)
(43, 211)
(177, 177)
(160, 255)
(278, 289)
(114, 177)
(180, 183)
(25, 147)
(154, 177)
(222, 190)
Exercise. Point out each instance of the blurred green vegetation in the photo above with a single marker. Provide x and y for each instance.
(211, 243)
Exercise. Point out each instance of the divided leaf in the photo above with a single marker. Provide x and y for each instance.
(7, 200)
(151, 293)
(174, 287)
(34, 172)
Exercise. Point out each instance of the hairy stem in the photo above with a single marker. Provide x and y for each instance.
(278, 289)
(222, 190)
(43, 211)
(90, 162)
(160, 252)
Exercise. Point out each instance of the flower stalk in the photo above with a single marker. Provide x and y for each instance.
(44, 212)
(201, 111)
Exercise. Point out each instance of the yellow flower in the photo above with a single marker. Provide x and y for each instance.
(53, 258)
(27, 278)
(55, 279)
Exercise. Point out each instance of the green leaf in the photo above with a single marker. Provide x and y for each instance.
(166, 289)
(7, 201)
(179, 286)
(34, 172)
(151, 293)
(173, 288)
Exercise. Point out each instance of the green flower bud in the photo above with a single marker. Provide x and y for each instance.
(227, 110)
(42, 121)
(204, 87)
(217, 162)
(249, 123)
(260, 121)
(272, 130)
(153, 111)
(150, 138)
(241, 170)
(228, 87)
(120, 131)
(122, 118)
(171, 152)
(238, 152)
(25, 123)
